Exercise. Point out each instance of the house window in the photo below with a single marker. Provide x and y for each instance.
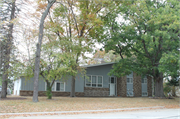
(144, 80)
(112, 80)
(88, 81)
(99, 81)
(129, 80)
(51, 88)
(57, 86)
(60, 86)
(94, 81)
(144, 94)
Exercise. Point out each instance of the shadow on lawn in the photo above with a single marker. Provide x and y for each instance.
(13, 98)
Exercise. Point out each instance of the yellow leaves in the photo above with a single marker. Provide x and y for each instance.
(75, 104)
(36, 15)
(41, 7)
(39, 1)
(91, 16)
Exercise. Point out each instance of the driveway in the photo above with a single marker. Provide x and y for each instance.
(141, 114)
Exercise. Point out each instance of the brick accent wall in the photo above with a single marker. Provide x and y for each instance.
(149, 85)
(54, 93)
(121, 86)
(137, 85)
(90, 91)
(30, 93)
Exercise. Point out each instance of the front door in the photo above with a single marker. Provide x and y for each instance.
(112, 89)
(112, 83)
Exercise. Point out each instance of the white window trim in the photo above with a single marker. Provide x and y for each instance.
(130, 81)
(88, 79)
(46, 86)
(60, 87)
(114, 83)
(55, 83)
(114, 78)
(130, 92)
(145, 92)
(143, 81)
(96, 81)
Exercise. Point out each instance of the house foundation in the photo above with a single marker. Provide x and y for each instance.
(90, 91)
(54, 93)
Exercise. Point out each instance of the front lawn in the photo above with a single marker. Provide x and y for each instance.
(81, 103)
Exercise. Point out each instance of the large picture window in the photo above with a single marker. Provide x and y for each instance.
(94, 81)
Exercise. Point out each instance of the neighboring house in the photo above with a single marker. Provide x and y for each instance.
(99, 83)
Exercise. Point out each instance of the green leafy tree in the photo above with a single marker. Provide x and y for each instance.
(146, 31)
(38, 50)
(169, 64)
(74, 23)
(1, 80)
(55, 66)
(8, 15)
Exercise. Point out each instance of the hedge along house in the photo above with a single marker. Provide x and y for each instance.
(97, 82)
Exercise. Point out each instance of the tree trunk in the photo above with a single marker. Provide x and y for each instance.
(73, 87)
(1, 54)
(8, 47)
(38, 50)
(159, 87)
(173, 91)
(4, 84)
(49, 91)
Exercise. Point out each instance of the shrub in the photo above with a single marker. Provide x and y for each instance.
(49, 93)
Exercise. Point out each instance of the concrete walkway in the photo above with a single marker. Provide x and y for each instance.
(83, 111)
(141, 114)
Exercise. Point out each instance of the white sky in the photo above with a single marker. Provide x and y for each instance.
(28, 22)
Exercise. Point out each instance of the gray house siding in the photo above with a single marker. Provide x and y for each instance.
(79, 84)
(102, 71)
(99, 70)
(28, 84)
(108, 87)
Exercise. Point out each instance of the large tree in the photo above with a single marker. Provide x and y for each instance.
(144, 32)
(8, 15)
(75, 22)
(55, 66)
(169, 64)
(38, 50)
(103, 57)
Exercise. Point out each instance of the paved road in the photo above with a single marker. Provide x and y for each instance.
(143, 114)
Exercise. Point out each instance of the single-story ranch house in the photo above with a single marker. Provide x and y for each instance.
(98, 84)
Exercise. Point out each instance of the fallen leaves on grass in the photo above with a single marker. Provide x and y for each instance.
(81, 103)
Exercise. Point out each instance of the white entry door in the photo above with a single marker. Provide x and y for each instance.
(112, 85)
(112, 89)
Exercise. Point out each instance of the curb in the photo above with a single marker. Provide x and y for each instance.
(83, 111)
